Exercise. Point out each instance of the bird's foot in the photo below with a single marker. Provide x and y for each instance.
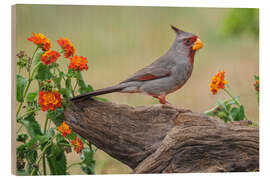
(162, 100)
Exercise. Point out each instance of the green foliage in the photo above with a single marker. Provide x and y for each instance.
(244, 20)
(36, 57)
(31, 97)
(257, 87)
(88, 162)
(83, 87)
(31, 125)
(43, 72)
(56, 160)
(22, 137)
(57, 116)
(50, 144)
(228, 110)
(21, 83)
(63, 143)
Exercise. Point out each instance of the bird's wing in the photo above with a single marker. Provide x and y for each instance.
(156, 70)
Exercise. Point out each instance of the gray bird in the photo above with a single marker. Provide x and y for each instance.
(165, 75)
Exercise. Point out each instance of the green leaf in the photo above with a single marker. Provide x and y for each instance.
(57, 80)
(31, 125)
(22, 137)
(31, 144)
(64, 92)
(71, 136)
(88, 163)
(50, 132)
(20, 86)
(31, 97)
(21, 150)
(238, 113)
(226, 119)
(57, 116)
(235, 113)
(228, 106)
(63, 143)
(241, 113)
(210, 113)
(56, 160)
(68, 86)
(21, 173)
(36, 58)
(31, 156)
(221, 103)
(83, 87)
(43, 139)
(256, 78)
(43, 72)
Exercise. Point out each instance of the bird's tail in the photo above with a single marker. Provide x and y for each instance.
(107, 90)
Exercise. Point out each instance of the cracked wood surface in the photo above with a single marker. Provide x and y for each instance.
(163, 139)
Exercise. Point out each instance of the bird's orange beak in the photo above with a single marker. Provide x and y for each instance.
(197, 45)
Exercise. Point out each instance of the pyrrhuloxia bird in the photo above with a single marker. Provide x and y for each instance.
(165, 75)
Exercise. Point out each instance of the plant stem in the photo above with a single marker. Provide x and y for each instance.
(42, 152)
(72, 92)
(24, 94)
(235, 100)
(29, 112)
(28, 84)
(44, 165)
(230, 94)
(73, 164)
(45, 125)
(57, 68)
(25, 114)
(43, 158)
(32, 60)
(75, 85)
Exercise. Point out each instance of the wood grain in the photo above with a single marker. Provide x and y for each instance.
(164, 139)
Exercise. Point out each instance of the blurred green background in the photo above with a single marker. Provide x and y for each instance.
(117, 41)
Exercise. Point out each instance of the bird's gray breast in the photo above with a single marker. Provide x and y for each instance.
(182, 72)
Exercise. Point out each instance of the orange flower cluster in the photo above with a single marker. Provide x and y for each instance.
(67, 46)
(64, 129)
(49, 100)
(218, 82)
(78, 63)
(40, 40)
(49, 56)
(257, 85)
(78, 144)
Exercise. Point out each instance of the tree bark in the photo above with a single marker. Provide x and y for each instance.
(164, 139)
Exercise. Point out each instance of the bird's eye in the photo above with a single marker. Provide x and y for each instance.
(187, 41)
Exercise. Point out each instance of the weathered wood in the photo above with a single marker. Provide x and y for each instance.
(163, 139)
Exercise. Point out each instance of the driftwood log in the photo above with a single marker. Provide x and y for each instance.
(163, 139)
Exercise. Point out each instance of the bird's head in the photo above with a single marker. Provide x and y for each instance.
(186, 43)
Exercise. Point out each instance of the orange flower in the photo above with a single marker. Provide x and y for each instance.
(49, 100)
(40, 40)
(218, 82)
(67, 46)
(257, 85)
(49, 56)
(64, 129)
(78, 144)
(78, 63)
